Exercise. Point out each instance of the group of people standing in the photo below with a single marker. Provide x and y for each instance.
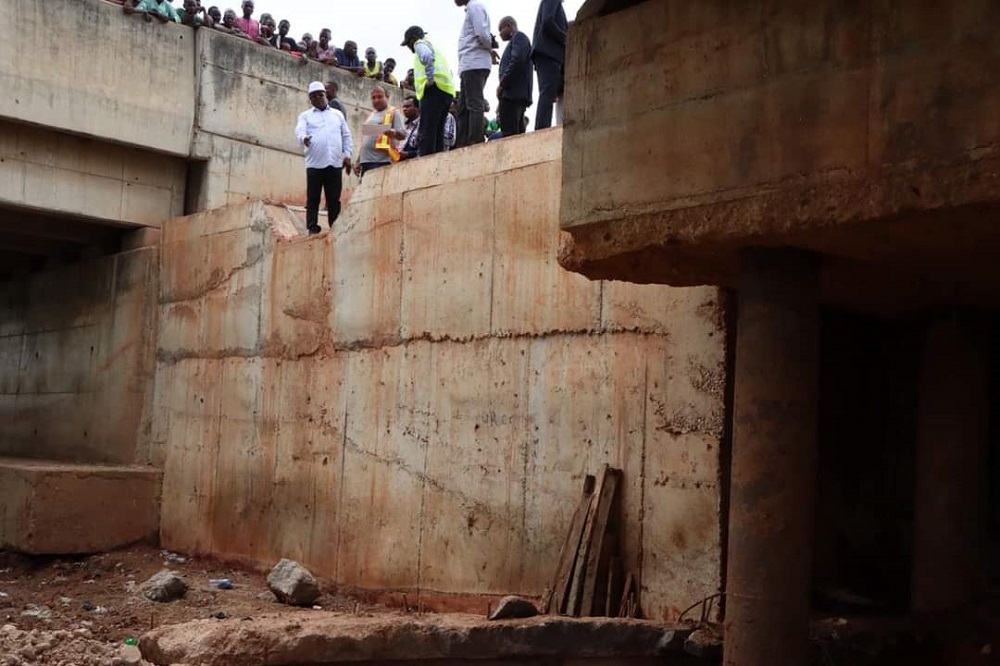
(326, 138)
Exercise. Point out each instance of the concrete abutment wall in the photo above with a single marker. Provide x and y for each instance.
(411, 403)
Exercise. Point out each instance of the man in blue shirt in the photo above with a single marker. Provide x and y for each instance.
(347, 58)
(326, 140)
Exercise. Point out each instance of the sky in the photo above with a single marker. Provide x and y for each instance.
(381, 24)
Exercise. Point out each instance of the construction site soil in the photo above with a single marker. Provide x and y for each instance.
(63, 611)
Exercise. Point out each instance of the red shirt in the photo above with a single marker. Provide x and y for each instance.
(249, 26)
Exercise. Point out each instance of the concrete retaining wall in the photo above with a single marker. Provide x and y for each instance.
(411, 403)
(77, 360)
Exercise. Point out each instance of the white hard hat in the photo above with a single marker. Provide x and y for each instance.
(316, 86)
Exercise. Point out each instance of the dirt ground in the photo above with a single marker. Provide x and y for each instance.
(64, 611)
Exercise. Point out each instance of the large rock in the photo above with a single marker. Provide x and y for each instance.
(513, 607)
(325, 639)
(292, 584)
(165, 586)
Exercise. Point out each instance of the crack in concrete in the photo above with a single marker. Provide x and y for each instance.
(266, 349)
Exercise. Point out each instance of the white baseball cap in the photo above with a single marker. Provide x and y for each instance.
(316, 86)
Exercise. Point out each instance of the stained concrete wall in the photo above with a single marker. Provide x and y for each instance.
(411, 402)
(106, 77)
(780, 123)
(77, 360)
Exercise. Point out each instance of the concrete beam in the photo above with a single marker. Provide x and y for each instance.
(70, 230)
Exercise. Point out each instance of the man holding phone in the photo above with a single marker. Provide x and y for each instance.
(326, 140)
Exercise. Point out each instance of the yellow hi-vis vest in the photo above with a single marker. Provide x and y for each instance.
(371, 73)
(384, 142)
(442, 75)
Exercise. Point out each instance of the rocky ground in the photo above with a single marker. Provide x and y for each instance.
(85, 611)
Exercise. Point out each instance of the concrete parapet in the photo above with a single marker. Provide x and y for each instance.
(49, 508)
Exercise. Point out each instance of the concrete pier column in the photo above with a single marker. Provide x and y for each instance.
(772, 499)
(952, 450)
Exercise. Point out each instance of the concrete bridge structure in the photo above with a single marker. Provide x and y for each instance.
(778, 318)
(837, 165)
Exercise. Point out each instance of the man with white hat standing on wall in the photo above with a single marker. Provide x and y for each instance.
(323, 133)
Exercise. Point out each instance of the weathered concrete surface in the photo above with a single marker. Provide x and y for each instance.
(59, 508)
(68, 175)
(328, 639)
(411, 403)
(866, 131)
(77, 358)
(117, 80)
(772, 504)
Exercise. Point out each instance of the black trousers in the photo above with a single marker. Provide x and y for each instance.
(472, 108)
(510, 113)
(330, 181)
(433, 112)
(371, 166)
(550, 86)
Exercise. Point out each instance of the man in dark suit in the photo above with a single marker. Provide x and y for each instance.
(549, 56)
(516, 85)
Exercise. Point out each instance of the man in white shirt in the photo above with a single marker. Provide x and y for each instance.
(476, 55)
(326, 140)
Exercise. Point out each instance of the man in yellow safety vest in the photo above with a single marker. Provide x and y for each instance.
(380, 134)
(435, 89)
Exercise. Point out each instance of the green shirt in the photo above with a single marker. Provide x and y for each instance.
(195, 20)
(162, 8)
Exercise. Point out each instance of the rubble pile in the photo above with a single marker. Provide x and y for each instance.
(62, 647)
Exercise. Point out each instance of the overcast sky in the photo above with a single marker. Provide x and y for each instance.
(382, 23)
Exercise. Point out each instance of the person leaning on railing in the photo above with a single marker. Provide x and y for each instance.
(194, 15)
(150, 9)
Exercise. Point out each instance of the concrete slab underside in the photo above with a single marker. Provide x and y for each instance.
(49, 508)
(865, 132)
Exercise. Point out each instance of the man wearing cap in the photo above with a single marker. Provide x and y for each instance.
(435, 89)
(326, 140)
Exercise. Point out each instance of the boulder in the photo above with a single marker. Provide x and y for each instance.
(292, 584)
(513, 607)
(165, 586)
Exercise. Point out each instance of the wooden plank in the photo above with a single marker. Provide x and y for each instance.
(628, 605)
(606, 499)
(616, 571)
(568, 553)
(608, 551)
(580, 567)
